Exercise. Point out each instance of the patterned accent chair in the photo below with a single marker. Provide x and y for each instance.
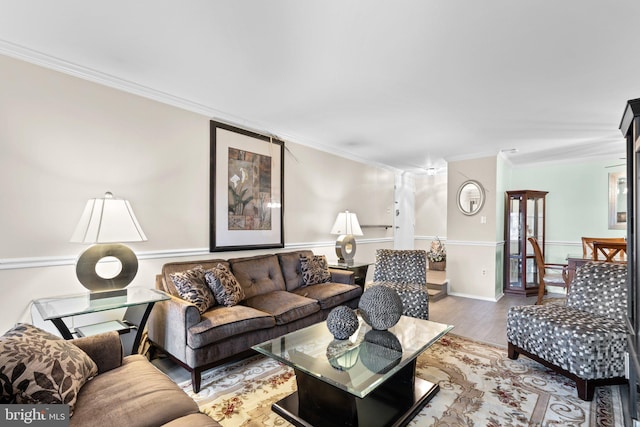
(404, 271)
(584, 340)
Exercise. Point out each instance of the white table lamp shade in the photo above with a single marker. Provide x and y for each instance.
(347, 223)
(108, 220)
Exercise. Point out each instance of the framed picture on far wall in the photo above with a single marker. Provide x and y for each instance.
(246, 190)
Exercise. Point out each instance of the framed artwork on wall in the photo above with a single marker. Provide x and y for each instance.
(617, 201)
(246, 189)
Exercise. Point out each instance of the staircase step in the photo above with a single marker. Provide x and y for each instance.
(437, 284)
(435, 295)
(436, 276)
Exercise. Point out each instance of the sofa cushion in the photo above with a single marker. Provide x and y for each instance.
(582, 343)
(258, 275)
(224, 285)
(315, 270)
(191, 287)
(284, 306)
(290, 265)
(330, 295)
(39, 367)
(135, 394)
(600, 288)
(222, 322)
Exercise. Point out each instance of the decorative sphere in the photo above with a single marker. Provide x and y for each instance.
(381, 307)
(381, 351)
(342, 322)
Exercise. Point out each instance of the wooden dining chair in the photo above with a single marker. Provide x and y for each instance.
(609, 251)
(549, 274)
(589, 252)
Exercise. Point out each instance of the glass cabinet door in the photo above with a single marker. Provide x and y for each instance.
(525, 212)
(514, 241)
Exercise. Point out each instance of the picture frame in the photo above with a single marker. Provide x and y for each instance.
(617, 201)
(246, 189)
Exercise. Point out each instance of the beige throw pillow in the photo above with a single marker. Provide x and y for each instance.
(37, 367)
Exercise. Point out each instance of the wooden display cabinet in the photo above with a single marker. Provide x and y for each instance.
(524, 218)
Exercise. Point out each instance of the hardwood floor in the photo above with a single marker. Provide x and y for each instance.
(480, 320)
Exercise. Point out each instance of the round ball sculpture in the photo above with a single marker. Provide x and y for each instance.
(381, 351)
(380, 307)
(342, 322)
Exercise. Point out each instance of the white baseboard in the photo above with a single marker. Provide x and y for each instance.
(458, 294)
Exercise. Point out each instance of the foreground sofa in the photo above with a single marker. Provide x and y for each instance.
(102, 387)
(586, 339)
(277, 300)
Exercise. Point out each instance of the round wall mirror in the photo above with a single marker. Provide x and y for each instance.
(470, 197)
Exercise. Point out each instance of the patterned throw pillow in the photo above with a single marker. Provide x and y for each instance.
(314, 270)
(37, 367)
(224, 285)
(191, 287)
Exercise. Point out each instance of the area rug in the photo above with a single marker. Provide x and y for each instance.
(479, 386)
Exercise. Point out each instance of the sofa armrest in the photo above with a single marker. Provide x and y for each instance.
(104, 349)
(342, 276)
(168, 324)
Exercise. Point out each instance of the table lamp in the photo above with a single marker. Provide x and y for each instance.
(106, 223)
(346, 226)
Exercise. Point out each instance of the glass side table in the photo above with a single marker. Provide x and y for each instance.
(359, 270)
(138, 302)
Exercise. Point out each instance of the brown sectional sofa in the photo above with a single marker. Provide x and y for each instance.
(276, 302)
(130, 391)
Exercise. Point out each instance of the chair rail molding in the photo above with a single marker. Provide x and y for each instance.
(475, 243)
(54, 261)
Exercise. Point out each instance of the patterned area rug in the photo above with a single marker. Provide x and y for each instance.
(479, 386)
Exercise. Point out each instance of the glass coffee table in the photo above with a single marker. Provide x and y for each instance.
(366, 380)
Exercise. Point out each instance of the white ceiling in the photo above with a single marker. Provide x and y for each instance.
(409, 84)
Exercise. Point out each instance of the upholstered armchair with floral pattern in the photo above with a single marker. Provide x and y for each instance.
(586, 339)
(405, 271)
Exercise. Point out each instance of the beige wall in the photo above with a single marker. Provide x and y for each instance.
(64, 140)
(471, 240)
(431, 208)
(318, 182)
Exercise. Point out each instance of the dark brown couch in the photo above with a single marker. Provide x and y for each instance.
(130, 391)
(276, 302)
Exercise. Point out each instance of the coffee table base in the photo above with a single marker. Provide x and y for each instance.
(394, 403)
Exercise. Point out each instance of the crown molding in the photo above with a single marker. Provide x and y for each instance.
(32, 56)
(66, 67)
